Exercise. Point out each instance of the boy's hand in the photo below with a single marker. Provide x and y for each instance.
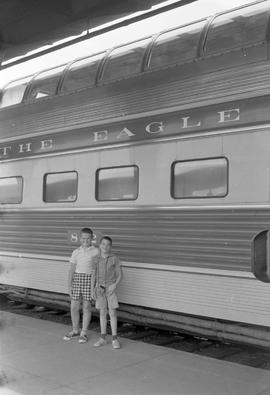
(111, 288)
(70, 292)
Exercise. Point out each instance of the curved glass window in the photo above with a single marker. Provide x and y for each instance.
(203, 178)
(60, 187)
(14, 92)
(125, 60)
(176, 46)
(82, 73)
(238, 28)
(11, 189)
(45, 83)
(117, 183)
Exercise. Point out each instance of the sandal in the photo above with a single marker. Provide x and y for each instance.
(70, 335)
(83, 339)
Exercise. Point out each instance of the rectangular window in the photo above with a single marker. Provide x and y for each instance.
(60, 187)
(117, 183)
(205, 178)
(11, 190)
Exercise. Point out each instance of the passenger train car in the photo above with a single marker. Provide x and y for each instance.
(163, 144)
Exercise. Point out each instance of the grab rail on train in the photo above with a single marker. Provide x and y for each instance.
(261, 256)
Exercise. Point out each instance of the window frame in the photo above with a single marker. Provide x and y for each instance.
(5, 88)
(205, 52)
(60, 172)
(69, 66)
(27, 94)
(102, 80)
(158, 35)
(115, 167)
(172, 187)
(22, 189)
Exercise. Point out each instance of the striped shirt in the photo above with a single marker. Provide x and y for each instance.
(85, 259)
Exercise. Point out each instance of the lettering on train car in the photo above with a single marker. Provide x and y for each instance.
(144, 128)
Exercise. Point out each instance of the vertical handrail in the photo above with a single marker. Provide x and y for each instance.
(261, 256)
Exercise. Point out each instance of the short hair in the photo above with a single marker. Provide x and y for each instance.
(107, 238)
(87, 230)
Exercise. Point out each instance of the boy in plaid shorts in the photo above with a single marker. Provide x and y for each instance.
(81, 283)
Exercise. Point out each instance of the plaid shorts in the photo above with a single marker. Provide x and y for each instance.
(81, 286)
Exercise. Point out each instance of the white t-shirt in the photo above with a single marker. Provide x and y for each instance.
(84, 259)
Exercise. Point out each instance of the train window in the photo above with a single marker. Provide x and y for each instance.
(11, 189)
(176, 46)
(14, 92)
(117, 183)
(60, 187)
(238, 28)
(82, 73)
(203, 178)
(125, 60)
(45, 83)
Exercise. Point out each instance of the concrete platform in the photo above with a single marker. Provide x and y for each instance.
(35, 360)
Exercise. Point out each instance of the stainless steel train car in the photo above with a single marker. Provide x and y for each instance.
(163, 144)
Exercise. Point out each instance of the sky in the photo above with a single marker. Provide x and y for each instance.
(173, 18)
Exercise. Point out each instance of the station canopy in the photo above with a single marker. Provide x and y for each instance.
(30, 27)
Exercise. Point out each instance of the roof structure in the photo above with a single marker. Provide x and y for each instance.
(26, 25)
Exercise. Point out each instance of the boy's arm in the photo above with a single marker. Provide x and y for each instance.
(95, 268)
(70, 274)
(94, 275)
(119, 273)
(119, 276)
(71, 271)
